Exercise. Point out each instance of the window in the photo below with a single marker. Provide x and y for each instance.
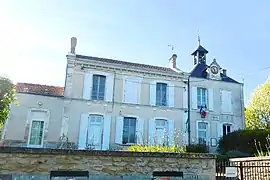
(98, 90)
(201, 97)
(129, 130)
(227, 128)
(161, 129)
(36, 133)
(94, 131)
(202, 132)
(161, 94)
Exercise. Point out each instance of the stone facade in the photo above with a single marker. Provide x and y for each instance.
(25, 163)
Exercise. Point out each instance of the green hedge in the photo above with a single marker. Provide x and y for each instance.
(197, 148)
(244, 141)
(149, 148)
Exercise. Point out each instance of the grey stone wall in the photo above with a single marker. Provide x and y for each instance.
(26, 163)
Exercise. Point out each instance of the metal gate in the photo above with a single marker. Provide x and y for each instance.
(245, 170)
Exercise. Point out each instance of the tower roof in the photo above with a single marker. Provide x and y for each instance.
(200, 49)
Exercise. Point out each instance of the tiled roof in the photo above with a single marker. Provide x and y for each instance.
(39, 89)
(127, 64)
(199, 71)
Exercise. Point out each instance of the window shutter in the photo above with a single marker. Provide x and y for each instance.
(197, 134)
(185, 97)
(152, 131)
(109, 87)
(219, 130)
(223, 101)
(139, 130)
(229, 94)
(184, 128)
(87, 86)
(210, 99)
(106, 132)
(132, 87)
(152, 93)
(83, 131)
(171, 94)
(119, 130)
(194, 98)
(171, 132)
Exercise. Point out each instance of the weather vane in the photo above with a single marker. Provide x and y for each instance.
(171, 46)
(199, 39)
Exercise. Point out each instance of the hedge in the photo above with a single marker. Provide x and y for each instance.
(244, 141)
(156, 148)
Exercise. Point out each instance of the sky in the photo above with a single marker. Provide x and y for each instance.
(35, 35)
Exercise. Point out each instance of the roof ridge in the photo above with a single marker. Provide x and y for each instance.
(25, 83)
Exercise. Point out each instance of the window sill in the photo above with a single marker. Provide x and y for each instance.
(34, 146)
(226, 113)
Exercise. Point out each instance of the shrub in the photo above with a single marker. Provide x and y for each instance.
(156, 148)
(197, 148)
(244, 141)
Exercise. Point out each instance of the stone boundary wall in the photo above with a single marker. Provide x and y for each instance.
(253, 167)
(30, 163)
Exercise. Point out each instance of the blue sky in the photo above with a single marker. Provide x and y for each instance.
(35, 35)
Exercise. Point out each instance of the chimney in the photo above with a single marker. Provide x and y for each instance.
(172, 61)
(224, 71)
(73, 45)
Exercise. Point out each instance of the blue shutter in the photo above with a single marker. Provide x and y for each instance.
(194, 98)
(171, 94)
(83, 131)
(152, 93)
(109, 87)
(106, 132)
(210, 99)
(151, 131)
(140, 131)
(119, 130)
(87, 86)
(171, 132)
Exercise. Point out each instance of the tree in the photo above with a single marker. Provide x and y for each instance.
(257, 113)
(7, 96)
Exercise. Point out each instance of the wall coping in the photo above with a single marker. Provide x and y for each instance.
(265, 158)
(24, 150)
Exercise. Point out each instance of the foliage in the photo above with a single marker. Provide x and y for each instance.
(156, 148)
(197, 148)
(7, 96)
(65, 144)
(260, 151)
(257, 113)
(244, 141)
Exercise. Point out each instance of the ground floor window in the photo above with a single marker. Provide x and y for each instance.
(161, 132)
(202, 132)
(227, 128)
(36, 133)
(129, 130)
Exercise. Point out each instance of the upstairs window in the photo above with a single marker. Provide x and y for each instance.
(98, 88)
(161, 94)
(201, 97)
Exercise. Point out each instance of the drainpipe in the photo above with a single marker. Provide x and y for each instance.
(188, 120)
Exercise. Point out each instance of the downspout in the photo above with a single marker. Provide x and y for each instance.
(188, 120)
(113, 95)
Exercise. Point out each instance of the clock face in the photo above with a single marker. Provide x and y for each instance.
(214, 69)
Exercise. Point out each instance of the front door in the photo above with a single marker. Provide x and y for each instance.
(95, 132)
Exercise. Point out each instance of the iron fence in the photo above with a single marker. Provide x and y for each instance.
(246, 170)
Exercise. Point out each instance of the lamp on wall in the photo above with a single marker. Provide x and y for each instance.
(40, 103)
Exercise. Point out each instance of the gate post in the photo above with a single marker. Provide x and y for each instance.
(241, 171)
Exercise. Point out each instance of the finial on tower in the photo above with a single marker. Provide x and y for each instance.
(199, 39)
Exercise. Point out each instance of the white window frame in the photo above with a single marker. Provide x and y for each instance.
(199, 89)
(166, 126)
(29, 133)
(207, 131)
(167, 93)
(99, 75)
(100, 123)
(136, 118)
(227, 124)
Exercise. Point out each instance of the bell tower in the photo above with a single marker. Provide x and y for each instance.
(199, 55)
